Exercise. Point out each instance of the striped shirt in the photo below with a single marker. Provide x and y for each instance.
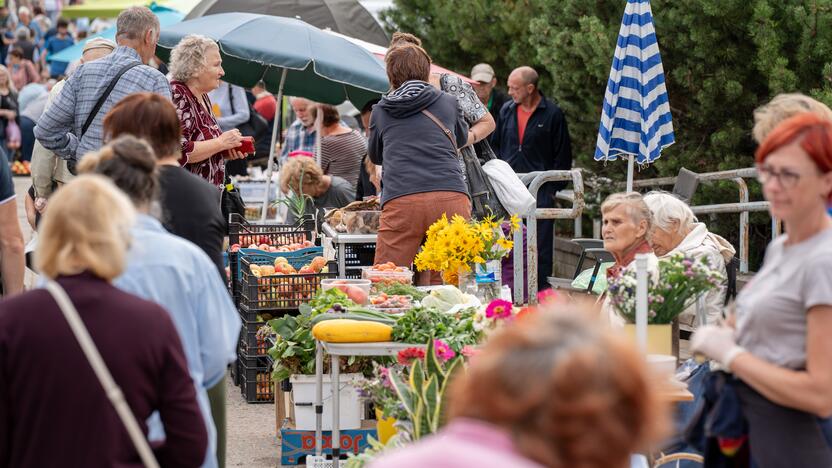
(58, 129)
(341, 155)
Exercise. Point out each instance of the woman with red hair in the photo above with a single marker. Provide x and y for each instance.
(554, 389)
(777, 345)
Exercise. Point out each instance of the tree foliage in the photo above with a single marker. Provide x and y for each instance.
(722, 59)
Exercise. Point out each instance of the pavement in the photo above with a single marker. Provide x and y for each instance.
(251, 439)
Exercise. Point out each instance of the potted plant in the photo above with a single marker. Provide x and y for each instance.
(679, 282)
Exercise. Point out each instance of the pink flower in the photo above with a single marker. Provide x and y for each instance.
(384, 375)
(498, 309)
(443, 351)
(546, 295)
(469, 351)
(408, 355)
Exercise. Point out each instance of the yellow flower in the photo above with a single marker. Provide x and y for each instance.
(505, 244)
(515, 223)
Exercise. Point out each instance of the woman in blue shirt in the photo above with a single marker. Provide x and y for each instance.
(174, 273)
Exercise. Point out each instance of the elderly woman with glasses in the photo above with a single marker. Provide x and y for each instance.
(676, 230)
(626, 223)
(777, 345)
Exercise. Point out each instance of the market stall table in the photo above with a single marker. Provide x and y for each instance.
(341, 240)
(335, 351)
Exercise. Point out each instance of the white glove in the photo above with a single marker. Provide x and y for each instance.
(716, 342)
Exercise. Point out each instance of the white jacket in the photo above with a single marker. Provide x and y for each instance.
(700, 243)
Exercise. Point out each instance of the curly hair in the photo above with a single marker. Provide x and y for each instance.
(569, 392)
(297, 168)
(187, 59)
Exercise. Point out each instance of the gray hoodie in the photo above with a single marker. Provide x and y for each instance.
(416, 155)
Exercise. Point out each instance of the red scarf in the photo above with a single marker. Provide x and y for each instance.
(627, 258)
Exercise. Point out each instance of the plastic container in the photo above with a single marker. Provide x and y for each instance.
(392, 304)
(347, 285)
(387, 277)
(361, 222)
(303, 396)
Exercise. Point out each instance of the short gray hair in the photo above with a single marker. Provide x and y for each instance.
(634, 202)
(133, 22)
(187, 59)
(668, 210)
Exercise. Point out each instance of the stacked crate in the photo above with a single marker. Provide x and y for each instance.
(259, 299)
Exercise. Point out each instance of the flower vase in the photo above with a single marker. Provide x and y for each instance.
(659, 337)
(488, 277)
(385, 427)
(467, 281)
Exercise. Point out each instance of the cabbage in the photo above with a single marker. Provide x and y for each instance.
(449, 294)
(443, 298)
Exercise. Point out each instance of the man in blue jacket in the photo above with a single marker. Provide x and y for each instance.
(532, 136)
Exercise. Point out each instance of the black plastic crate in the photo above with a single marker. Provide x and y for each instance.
(252, 341)
(300, 257)
(256, 379)
(242, 232)
(358, 255)
(278, 293)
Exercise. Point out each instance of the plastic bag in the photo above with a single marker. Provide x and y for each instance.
(600, 285)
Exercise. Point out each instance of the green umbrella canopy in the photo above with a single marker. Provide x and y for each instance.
(320, 66)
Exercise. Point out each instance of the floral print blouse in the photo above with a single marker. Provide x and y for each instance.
(198, 124)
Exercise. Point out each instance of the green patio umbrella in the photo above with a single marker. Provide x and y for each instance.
(289, 56)
(320, 66)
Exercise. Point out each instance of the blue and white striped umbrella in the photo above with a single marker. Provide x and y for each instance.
(635, 120)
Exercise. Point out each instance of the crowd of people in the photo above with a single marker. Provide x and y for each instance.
(129, 175)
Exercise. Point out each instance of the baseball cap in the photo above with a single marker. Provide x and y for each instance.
(99, 43)
(482, 72)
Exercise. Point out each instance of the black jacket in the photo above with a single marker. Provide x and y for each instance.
(546, 145)
(417, 156)
(498, 99)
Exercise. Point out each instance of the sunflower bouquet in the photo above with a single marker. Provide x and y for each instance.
(454, 245)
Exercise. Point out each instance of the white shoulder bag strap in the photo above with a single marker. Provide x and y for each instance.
(112, 390)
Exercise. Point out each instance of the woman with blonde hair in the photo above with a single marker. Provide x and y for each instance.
(83, 247)
(562, 392)
(196, 69)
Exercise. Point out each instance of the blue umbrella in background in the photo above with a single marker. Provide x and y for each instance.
(635, 120)
(167, 17)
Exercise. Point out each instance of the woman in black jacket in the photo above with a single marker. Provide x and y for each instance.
(414, 134)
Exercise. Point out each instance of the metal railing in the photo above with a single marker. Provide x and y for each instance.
(743, 207)
(535, 180)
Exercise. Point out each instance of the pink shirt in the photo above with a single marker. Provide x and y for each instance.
(463, 442)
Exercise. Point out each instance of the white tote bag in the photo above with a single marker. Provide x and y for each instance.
(511, 191)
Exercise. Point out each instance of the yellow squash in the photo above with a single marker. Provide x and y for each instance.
(351, 331)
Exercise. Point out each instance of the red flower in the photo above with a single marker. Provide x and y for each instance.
(408, 355)
(526, 311)
(498, 309)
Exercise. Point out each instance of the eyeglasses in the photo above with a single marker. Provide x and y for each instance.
(786, 178)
